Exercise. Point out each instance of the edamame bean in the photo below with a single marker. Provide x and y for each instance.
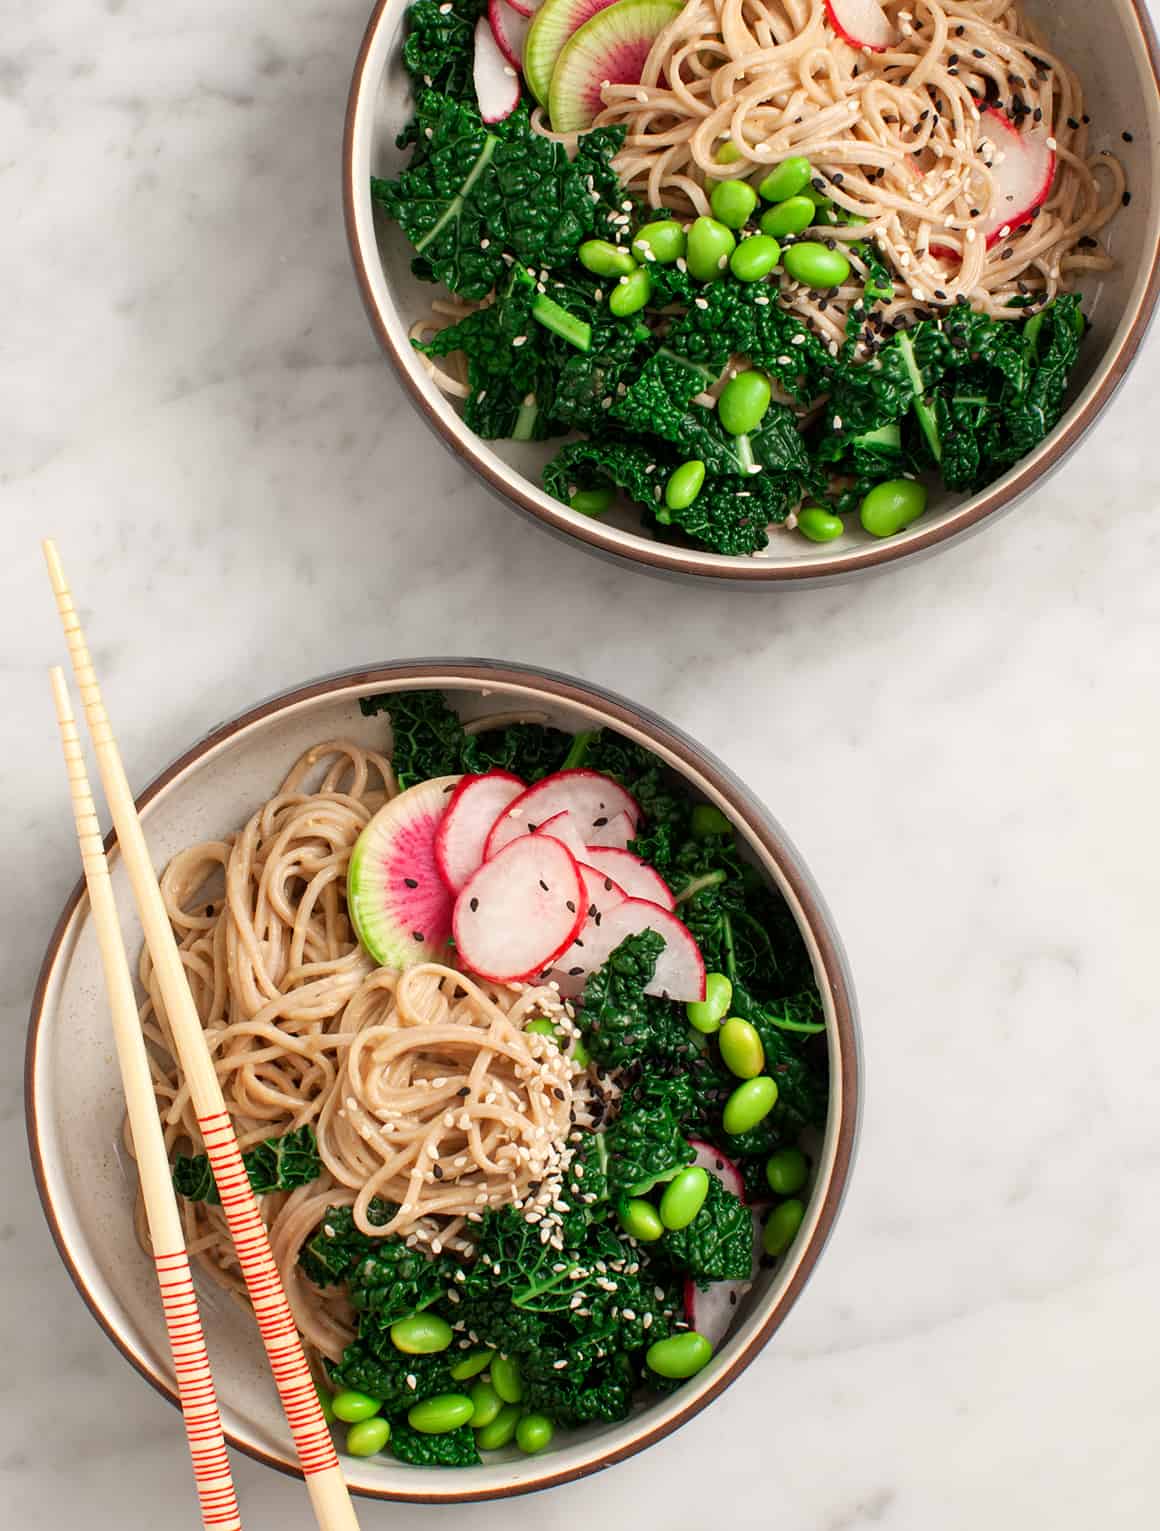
(630, 294)
(351, 1407)
(684, 1196)
(603, 258)
(581, 1057)
(471, 1365)
(732, 203)
(754, 258)
(707, 1014)
(501, 1429)
(787, 179)
(787, 1171)
(816, 265)
(707, 820)
(781, 1226)
(422, 1334)
(728, 153)
(485, 1404)
(749, 1104)
(684, 484)
(819, 525)
(662, 241)
(709, 247)
(541, 1026)
(742, 402)
(506, 1379)
(640, 1220)
(741, 1049)
(325, 1404)
(589, 502)
(680, 1356)
(892, 506)
(367, 1437)
(792, 217)
(438, 1415)
(534, 1433)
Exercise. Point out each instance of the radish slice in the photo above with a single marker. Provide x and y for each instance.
(509, 27)
(593, 801)
(861, 23)
(601, 894)
(635, 876)
(563, 827)
(520, 910)
(712, 1312)
(477, 803)
(526, 8)
(1023, 170)
(619, 830)
(497, 83)
(680, 970)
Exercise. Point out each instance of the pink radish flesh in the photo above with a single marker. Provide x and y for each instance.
(712, 1312)
(563, 827)
(497, 84)
(619, 830)
(601, 894)
(861, 23)
(526, 8)
(635, 876)
(593, 801)
(477, 802)
(680, 971)
(509, 27)
(1023, 171)
(520, 910)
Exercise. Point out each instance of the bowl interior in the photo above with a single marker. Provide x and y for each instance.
(1111, 46)
(75, 1105)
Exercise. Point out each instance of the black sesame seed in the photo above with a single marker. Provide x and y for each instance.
(575, 972)
(557, 1092)
(1126, 198)
(599, 823)
(1007, 254)
(570, 905)
(608, 885)
(437, 1171)
(1127, 137)
(1072, 124)
(417, 935)
(591, 911)
(954, 58)
(474, 905)
(209, 911)
(544, 885)
(410, 882)
(978, 52)
(464, 1092)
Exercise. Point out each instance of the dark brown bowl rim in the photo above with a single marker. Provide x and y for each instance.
(512, 486)
(758, 822)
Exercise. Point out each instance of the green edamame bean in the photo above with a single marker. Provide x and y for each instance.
(662, 241)
(821, 201)
(325, 1404)
(707, 1014)
(438, 1415)
(367, 1437)
(743, 401)
(709, 247)
(590, 502)
(541, 1026)
(732, 203)
(506, 1379)
(781, 1226)
(787, 1171)
(707, 820)
(684, 484)
(728, 153)
(501, 1429)
(749, 1104)
(351, 1407)
(787, 180)
(680, 1356)
(471, 1365)
(816, 264)
(892, 506)
(819, 525)
(485, 1404)
(603, 258)
(640, 1220)
(534, 1433)
(580, 1054)
(792, 217)
(754, 258)
(422, 1334)
(741, 1049)
(684, 1196)
(630, 294)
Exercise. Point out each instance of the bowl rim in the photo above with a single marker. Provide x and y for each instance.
(659, 557)
(479, 675)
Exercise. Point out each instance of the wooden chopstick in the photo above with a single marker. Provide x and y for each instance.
(317, 1457)
(199, 1407)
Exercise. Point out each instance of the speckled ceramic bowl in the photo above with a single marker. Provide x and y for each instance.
(74, 1096)
(1113, 42)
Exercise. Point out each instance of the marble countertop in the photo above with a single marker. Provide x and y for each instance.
(965, 752)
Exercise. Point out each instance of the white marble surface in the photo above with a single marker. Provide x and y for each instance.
(966, 752)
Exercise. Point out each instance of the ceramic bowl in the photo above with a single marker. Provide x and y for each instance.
(75, 1107)
(1116, 47)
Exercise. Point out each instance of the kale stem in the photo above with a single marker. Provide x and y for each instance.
(537, 1289)
(581, 743)
(730, 955)
(526, 419)
(577, 332)
(699, 884)
(922, 409)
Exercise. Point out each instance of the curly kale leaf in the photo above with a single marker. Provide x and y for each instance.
(606, 1395)
(740, 318)
(718, 1244)
(336, 1246)
(439, 50)
(426, 733)
(392, 1281)
(645, 1145)
(385, 1374)
(731, 515)
(278, 1164)
(530, 751)
(622, 1024)
(802, 1088)
(636, 467)
(658, 403)
(455, 1448)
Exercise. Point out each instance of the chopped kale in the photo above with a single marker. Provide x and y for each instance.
(455, 1448)
(718, 1244)
(336, 1245)
(278, 1164)
(645, 1145)
(399, 1380)
(622, 1024)
(439, 50)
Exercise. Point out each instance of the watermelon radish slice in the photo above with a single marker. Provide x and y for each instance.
(593, 801)
(680, 970)
(474, 807)
(509, 27)
(552, 26)
(496, 81)
(635, 876)
(1024, 168)
(563, 827)
(526, 8)
(609, 49)
(712, 1312)
(520, 910)
(399, 904)
(861, 23)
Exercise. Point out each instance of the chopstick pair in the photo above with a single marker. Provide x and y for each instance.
(317, 1458)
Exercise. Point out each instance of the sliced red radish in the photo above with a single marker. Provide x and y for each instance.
(602, 894)
(711, 1312)
(680, 970)
(619, 830)
(635, 876)
(519, 911)
(593, 801)
(1023, 168)
(526, 8)
(611, 48)
(563, 826)
(497, 82)
(862, 24)
(477, 803)
(509, 27)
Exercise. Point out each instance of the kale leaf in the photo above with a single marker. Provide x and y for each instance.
(645, 1145)
(637, 467)
(426, 733)
(454, 1448)
(718, 1244)
(384, 1374)
(622, 1024)
(336, 1245)
(278, 1164)
(439, 50)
